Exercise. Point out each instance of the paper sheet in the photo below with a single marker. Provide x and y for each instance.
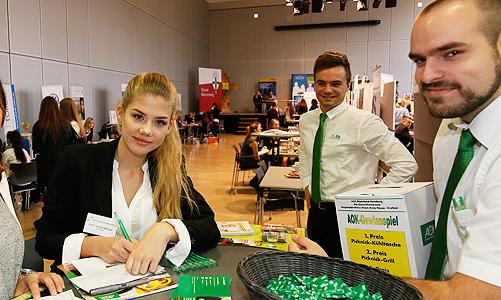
(90, 265)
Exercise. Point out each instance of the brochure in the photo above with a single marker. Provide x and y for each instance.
(235, 228)
(115, 284)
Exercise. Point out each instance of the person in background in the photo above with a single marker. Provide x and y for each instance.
(140, 178)
(302, 107)
(50, 135)
(69, 112)
(289, 112)
(274, 124)
(250, 148)
(81, 109)
(272, 113)
(354, 141)
(16, 281)
(214, 112)
(89, 129)
(258, 102)
(314, 104)
(400, 111)
(271, 96)
(403, 135)
(15, 153)
(190, 118)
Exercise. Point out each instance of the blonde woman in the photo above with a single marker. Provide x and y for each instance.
(69, 112)
(140, 177)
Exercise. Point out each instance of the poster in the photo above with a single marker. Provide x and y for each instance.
(11, 115)
(210, 88)
(300, 84)
(77, 94)
(267, 87)
(54, 91)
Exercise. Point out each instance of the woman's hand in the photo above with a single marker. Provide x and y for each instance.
(305, 245)
(110, 249)
(149, 250)
(30, 282)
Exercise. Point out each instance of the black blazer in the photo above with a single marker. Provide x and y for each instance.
(82, 183)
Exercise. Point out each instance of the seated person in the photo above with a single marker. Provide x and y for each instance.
(272, 113)
(15, 153)
(139, 178)
(189, 118)
(250, 148)
(403, 135)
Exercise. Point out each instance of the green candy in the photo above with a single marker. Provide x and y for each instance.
(318, 288)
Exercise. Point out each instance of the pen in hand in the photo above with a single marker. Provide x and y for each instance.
(122, 228)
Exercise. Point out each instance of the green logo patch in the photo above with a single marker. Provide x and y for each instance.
(428, 232)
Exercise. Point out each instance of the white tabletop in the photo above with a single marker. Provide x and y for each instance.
(275, 178)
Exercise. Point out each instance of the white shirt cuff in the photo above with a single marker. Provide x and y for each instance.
(72, 247)
(181, 250)
(479, 269)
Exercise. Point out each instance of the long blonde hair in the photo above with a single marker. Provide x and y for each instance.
(69, 112)
(170, 178)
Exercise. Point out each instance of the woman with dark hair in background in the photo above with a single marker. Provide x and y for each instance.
(16, 281)
(69, 112)
(314, 104)
(50, 135)
(15, 153)
(302, 107)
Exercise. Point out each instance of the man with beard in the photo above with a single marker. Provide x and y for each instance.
(456, 45)
(340, 149)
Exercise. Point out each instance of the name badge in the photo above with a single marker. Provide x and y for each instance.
(100, 225)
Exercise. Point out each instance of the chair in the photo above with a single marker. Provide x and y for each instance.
(23, 180)
(275, 200)
(236, 166)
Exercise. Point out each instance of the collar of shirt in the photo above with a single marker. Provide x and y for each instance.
(334, 111)
(485, 126)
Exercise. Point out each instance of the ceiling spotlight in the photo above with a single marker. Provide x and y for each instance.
(390, 3)
(288, 3)
(420, 4)
(329, 1)
(256, 16)
(376, 3)
(299, 7)
(342, 5)
(362, 5)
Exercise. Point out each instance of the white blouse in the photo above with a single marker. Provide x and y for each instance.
(137, 218)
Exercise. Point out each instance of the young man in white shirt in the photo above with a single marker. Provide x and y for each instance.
(456, 45)
(354, 141)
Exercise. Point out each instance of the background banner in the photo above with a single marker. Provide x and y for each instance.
(210, 87)
(11, 116)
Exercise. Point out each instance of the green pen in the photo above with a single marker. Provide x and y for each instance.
(455, 204)
(461, 202)
(122, 228)
(28, 294)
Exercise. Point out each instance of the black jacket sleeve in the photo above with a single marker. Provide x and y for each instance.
(59, 215)
(199, 220)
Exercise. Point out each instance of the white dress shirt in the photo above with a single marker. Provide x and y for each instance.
(354, 142)
(473, 234)
(137, 218)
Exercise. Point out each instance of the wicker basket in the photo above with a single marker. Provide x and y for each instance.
(257, 269)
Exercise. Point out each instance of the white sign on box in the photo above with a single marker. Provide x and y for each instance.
(389, 227)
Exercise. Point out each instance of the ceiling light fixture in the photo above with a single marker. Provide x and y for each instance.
(288, 3)
(256, 16)
(362, 5)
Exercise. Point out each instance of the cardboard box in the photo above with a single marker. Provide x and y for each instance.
(389, 227)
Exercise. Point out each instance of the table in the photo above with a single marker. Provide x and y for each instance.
(276, 135)
(275, 179)
(227, 257)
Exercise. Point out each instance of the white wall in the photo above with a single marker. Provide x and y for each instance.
(250, 48)
(100, 44)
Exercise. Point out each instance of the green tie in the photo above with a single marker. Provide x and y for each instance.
(317, 155)
(438, 253)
